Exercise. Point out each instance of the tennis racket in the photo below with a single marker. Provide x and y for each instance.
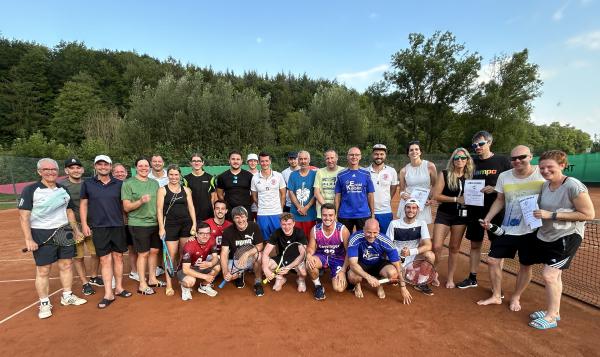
(417, 272)
(62, 237)
(293, 255)
(167, 259)
(243, 259)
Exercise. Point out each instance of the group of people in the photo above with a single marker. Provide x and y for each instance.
(342, 216)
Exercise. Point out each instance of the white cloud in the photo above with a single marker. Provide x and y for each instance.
(590, 40)
(259, 40)
(560, 13)
(362, 79)
(373, 15)
(578, 64)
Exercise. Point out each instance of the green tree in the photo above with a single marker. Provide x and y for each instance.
(37, 145)
(561, 137)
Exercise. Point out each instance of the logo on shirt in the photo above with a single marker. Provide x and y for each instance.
(352, 186)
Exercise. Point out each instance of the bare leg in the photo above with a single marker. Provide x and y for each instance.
(475, 256)
(80, 269)
(523, 279)
(141, 267)
(173, 247)
(356, 279)
(107, 275)
(495, 268)
(66, 273)
(132, 259)
(456, 234)
(440, 231)
(117, 259)
(152, 260)
(41, 280)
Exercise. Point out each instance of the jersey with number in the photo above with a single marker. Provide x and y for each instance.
(195, 253)
(380, 249)
(216, 230)
(332, 245)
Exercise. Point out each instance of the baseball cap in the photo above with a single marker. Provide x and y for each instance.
(72, 161)
(252, 157)
(412, 201)
(102, 158)
(292, 155)
(379, 147)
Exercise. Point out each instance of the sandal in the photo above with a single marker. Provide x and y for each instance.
(159, 284)
(543, 324)
(124, 294)
(169, 292)
(541, 313)
(103, 304)
(147, 291)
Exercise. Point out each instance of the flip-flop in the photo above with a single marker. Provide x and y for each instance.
(542, 324)
(124, 294)
(103, 304)
(541, 313)
(147, 291)
(159, 284)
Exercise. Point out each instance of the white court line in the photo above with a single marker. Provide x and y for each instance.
(33, 279)
(25, 308)
(15, 260)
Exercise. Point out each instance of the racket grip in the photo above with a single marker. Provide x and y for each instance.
(384, 281)
(222, 284)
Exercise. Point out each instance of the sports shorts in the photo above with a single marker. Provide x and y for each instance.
(334, 264)
(109, 239)
(558, 254)
(88, 242)
(374, 269)
(507, 246)
(145, 238)
(49, 253)
(176, 230)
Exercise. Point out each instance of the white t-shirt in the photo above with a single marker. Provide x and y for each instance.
(513, 189)
(407, 235)
(286, 176)
(267, 189)
(382, 181)
(162, 181)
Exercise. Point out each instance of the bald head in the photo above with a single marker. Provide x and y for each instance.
(371, 230)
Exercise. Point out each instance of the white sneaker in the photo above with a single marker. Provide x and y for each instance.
(134, 276)
(159, 271)
(301, 285)
(208, 290)
(72, 300)
(186, 293)
(45, 311)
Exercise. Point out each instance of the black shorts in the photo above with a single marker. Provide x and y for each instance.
(128, 236)
(109, 239)
(374, 269)
(350, 223)
(475, 231)
(49, 253)
(181, 275)
(176, 230)
(145, 238)
(557, 254)
(507, 246)
(450, 220)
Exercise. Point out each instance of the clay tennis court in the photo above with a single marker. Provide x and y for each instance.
(284, 323)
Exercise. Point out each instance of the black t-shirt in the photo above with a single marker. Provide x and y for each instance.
(451, 207)
(236, 187)
(233, 238)
(280, 240)
(489, 170)
(175, 207)
(202, 186)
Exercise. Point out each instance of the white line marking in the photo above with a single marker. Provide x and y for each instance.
(33, 279)
(25, 308)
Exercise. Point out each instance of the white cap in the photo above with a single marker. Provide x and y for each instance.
(252, 157)
(379, 147)
(412, 201)
(102, 158)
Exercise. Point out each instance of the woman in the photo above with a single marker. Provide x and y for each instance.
(139, 202)
(417, 174)
(565, 205)
(176, 217)
(452, 214)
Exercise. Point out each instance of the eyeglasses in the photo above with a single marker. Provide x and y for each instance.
(49, 170)
(203, 233)
(479, 144)
(196, 160)
(459, 157)
(520, 157)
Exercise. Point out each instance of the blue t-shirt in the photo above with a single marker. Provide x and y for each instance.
(104, 202)
(354, 187)
(302, 186)
(382, 248)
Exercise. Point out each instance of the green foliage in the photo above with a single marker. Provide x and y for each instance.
(38, 146)
(561, 137)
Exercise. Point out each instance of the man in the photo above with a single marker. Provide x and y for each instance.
(327, 246)
(488, 167)
(158, 172)
(385, 180)
(233, 185)
(218, 223)
(102, 216)
(522, 180)
(325, 181)
(239, 234)
(202, 185)
(372, 255)
(268, 193)
(354, 193)
(252, 161)
(120, 173)
(199, 261)
(72, 184)
(281, 238)
(301, 192)
(411, 238)
(292, 159)
(44, 207)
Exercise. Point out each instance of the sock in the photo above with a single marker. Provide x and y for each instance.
(257, 281)
(45, 301)
(317, 282)
(66, 293)
(473, 276)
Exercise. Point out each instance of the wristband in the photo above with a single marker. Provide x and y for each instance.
(554, 214)
(454, 199)
(414, 251)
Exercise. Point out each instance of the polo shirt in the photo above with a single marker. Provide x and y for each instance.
(104, 202)
(267, 190)
(382, 181)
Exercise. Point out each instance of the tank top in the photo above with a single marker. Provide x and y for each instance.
(451, 207)
(178, 210)
(331, 245)
(417, 177)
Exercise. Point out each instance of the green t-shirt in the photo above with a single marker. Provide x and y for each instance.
(74, 190)
(325, 181)
(132, 190)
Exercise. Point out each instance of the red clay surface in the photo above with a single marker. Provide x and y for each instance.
(284, 323)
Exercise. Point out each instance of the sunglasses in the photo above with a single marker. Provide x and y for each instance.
(459, 157)
(520, 157)
(479, 144)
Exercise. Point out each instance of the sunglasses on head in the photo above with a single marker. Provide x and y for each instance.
(479, 144)
(520, 157)
(459, 157)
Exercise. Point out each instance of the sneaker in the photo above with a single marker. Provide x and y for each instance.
(134, 276)
(45, 311)
(301, 285)
(72, 300)
(159, 271)
(87, 289)
(208, 290)
(467, 283)
(319, 292)
(96, 281)
(258, 289)
(186, 293)
(425, 289)
(279, 281)
(239, 282)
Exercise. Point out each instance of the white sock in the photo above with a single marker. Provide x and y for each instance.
(45, 300)
(67, 293)
(317, 282)
(185, 289)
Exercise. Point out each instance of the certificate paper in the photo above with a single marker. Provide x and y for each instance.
(421, 195)
(473, 194)
(528, 205)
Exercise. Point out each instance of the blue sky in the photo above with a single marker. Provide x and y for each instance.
(351, 41)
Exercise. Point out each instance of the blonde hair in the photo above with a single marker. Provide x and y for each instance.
(453, 179)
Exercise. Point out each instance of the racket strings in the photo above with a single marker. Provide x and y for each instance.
(419, 272)
(63, 236)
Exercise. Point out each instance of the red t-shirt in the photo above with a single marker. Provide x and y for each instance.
(216, 231)
(195, 253)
